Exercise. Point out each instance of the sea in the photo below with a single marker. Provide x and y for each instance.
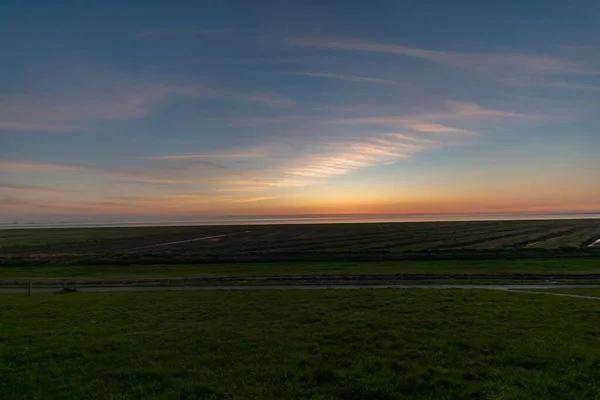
(305, 219)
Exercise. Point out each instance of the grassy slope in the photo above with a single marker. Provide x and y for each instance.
(382, 344)
(554, 266)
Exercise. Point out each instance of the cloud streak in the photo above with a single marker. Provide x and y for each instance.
(334, 159)
(35, 188)
(176, 32)
(71, 113)
(427, 122)
(355, 155)
(345, 77)
(223, 156)
(163, 176)
(251, 199)
(406, 135)
(498, 65)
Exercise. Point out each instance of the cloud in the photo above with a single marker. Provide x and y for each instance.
(410, 138)
(163, 176)
(35, 188)
(206, 156)
(498, 65)
(114, 104)
(251, 199)
(406, 135)
(175, 32)
(264, 150)
(436, 128)
(428, 122)
(355, 155)
(345, 77)
(555, 83)
(334, 159)
(45, 127)
(424, 122)
(15, 164)
(267, 99)
(70, 112)
(12, 201)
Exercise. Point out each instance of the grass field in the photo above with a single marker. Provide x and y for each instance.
(581, 292)
(533, 266)
(382, 344)
(298, 240)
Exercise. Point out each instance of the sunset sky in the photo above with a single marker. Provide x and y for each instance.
(115, 110)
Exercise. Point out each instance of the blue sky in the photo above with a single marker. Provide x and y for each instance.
(115, 110)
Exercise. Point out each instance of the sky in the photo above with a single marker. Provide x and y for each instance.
(138, 110)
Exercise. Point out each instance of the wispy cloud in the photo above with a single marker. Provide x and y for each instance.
(41, 127)
(70, 113)
(176, 32)
(498, 65)
(555, 83)
(139, 175)
(206, 156)
(406, 136)
(244, 153)
(35, 188)
(436, 128)
(426, 122)
(430, 122)
(355, 155)
(118, 103)
(251, 199)
(17, 164)
(411, 138)
(334, 159)
(345, 77)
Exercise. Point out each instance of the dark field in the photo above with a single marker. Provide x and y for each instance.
(298, 241)
(358, 344)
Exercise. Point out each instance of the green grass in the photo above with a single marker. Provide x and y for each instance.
(383, 344)
(581, 292)
(541, 266)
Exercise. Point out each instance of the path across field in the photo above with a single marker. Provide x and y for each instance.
(302, 287)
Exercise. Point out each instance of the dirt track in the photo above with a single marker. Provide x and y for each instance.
(319, 279)
(511, 288)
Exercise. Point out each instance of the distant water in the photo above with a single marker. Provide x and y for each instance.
(312, 219)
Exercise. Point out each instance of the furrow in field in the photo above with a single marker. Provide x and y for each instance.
(326, 244)
(426, 241)
(517, 240)
(485, 242)
(433, 239)
(580, 238)
(548, 236)
(375, 242)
